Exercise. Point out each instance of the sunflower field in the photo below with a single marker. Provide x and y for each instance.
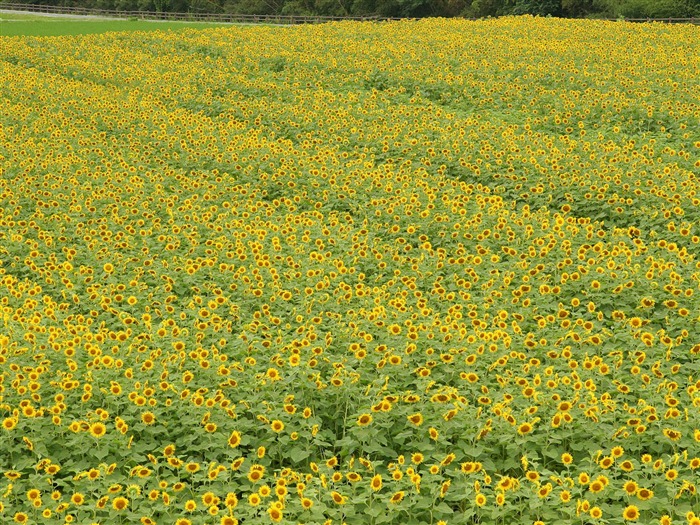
(418, 272)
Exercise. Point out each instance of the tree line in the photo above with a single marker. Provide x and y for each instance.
(405, 8)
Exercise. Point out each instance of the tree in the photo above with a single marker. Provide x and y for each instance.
(538, 7)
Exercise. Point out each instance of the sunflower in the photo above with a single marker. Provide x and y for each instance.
(472, 467)
(449, 458)
(9, 423)
(397, 497)
(120, 503)
(275, 514)
(630, 488)
(376, 482)
(627, 465)
(606, 462)
(544, 491)
(364, 420)
(596, 486)
(338, 498)
(98, 430)
(645, 494)
(353, 477)
(631, 513)
(524, 428)
(234, 439)
(533, 476)
(416, 419)
(231, 500)
(255, 475)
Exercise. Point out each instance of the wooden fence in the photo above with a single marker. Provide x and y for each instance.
(247, 19)
(188, 17)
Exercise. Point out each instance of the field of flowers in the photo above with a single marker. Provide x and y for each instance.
(422, 272)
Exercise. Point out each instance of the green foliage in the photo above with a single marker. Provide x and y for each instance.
(537, 7)
(407, 8)
(456, 258)
(660, 8)
(43, 27)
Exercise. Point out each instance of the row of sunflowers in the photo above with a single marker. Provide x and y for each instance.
(420, 272)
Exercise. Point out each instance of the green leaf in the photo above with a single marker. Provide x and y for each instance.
(444, 508)
(374, 511)
(100, 453)
(345, 442)
(299, 454)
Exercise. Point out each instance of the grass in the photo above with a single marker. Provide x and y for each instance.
(7, 16)
(20, 24)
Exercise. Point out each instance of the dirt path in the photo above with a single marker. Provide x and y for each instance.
(55, 15)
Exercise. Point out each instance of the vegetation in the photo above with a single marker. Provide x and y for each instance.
(37, 25)
(407, 8)
(445, 273)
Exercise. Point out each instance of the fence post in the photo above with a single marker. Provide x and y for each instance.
(232, 17)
